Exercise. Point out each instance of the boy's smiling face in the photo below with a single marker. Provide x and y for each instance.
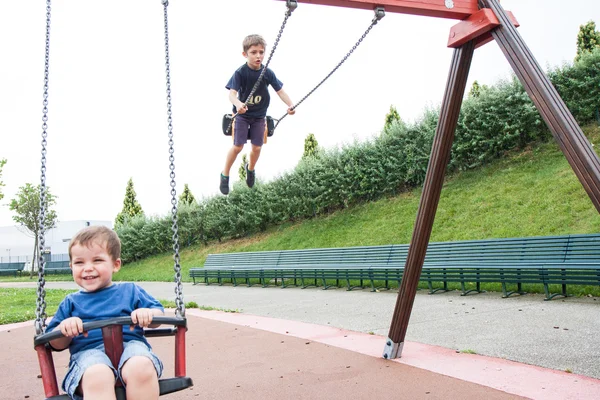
(92, 266)
(255, 56)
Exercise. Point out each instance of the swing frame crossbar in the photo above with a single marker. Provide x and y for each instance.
(112, 334)
(450, 9)
(476, 24)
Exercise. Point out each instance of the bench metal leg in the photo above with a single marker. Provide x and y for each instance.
(507, 293)
(263, 280)
(325, 286)
(442, 289)
(476, 290)
(283, 285)
(551, 296)
(304, 285)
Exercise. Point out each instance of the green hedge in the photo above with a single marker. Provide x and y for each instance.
(498, 119)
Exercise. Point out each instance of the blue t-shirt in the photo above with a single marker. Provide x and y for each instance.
(117, 300)
(243, 81)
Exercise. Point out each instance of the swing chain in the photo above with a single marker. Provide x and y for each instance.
(40, 311)
(291, 6)
(180, 311)
(379, 14)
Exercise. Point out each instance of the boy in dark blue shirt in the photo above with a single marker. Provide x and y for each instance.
(94, 256)
(250, 120)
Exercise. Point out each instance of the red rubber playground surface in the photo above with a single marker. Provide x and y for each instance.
(240, 356)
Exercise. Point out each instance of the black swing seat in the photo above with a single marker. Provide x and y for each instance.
(166, 385)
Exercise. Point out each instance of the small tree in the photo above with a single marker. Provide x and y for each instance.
(311, 146)
(131, 207)
(186, 197)
(391, 117)
(587, 39)
(27, 208)
(2, 162)
(242, 169)
(475, 90)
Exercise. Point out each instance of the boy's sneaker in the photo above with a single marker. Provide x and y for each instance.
(224, 184)
(250, 177)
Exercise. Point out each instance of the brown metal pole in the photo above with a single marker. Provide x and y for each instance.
(434, 179)
(571, 140)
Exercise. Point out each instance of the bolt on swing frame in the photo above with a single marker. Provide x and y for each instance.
(480, 22)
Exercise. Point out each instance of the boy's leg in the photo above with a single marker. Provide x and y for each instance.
(139, 376)
(139, 369)
(231, 156)
(90, 373)
(257, 135)
(254, 154)
(98, 382)
(250, 173)
(240, 137)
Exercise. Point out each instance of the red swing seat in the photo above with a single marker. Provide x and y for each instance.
(112, 333)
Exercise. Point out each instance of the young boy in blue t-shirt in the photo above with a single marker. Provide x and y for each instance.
(250, 120)
(94, 255)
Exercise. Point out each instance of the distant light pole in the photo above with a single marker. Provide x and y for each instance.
(8, 254)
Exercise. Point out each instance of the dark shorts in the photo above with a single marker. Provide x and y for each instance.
(248, 128)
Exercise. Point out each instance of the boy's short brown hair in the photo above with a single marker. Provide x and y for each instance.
(101, 235)
(253, 40)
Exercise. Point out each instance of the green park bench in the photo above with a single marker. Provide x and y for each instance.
(545, 260)
(11, 268)
(57, 267)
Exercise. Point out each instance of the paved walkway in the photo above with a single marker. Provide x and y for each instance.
(228, 361)
(558, 334)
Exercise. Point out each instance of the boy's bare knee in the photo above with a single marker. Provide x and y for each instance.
(97, 378)
(138, 369)
(238, 149)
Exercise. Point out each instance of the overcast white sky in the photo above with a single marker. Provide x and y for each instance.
(107, 112)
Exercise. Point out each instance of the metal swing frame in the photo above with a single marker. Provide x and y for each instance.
(481, 21)
(112, 328)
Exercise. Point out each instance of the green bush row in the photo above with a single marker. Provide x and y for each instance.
(492, 121)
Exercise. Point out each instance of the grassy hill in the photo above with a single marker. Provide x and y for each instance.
(530, 193)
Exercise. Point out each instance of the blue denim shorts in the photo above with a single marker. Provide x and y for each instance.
(84, 359)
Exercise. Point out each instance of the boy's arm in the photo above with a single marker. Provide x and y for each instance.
(60, 343)
(233, 98)
(286, 99)
(157, 312)
(70, 328)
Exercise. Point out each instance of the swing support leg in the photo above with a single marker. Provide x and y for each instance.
(440, 155)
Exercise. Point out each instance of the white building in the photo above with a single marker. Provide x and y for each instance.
(16, 244)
